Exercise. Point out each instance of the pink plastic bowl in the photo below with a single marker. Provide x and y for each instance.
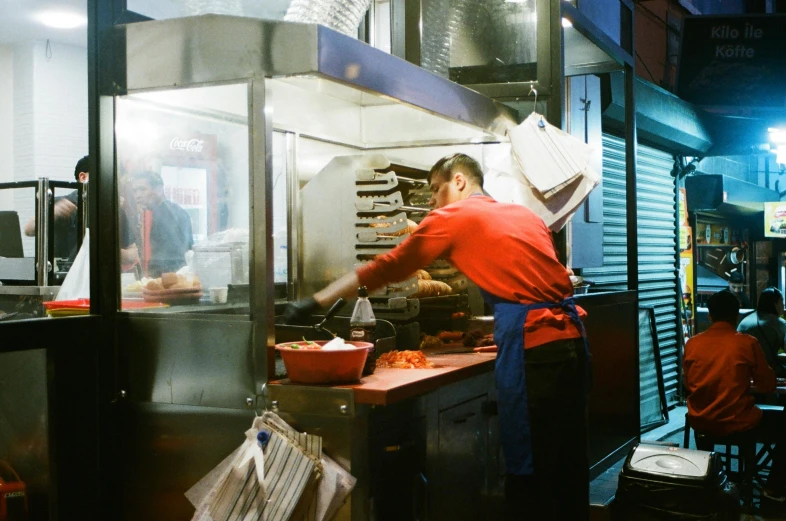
(316, 366)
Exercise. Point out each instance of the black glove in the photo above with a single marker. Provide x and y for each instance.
(297, 313)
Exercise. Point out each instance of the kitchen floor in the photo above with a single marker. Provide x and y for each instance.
(603, 487)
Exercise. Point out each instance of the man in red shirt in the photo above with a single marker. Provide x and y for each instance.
(542, 368)
(719, 367)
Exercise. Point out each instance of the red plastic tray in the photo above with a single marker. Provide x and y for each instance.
(84, 303)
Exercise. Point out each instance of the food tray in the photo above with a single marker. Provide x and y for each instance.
(172, 298)
(67, 308)
(169, 292)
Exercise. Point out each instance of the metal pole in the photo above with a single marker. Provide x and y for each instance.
(631, 218)
(43, 196)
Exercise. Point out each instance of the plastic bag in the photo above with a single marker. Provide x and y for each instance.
(77, 283)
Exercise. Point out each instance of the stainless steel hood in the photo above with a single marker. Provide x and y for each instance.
(662, 119)
(726, 195)
(215, 48)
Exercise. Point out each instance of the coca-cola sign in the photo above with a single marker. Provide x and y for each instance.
(187, 145)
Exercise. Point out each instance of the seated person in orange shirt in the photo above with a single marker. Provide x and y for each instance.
(718, 367)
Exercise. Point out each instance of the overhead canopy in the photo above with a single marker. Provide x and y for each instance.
(662, 119)
(727, 195)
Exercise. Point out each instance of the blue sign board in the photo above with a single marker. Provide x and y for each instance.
(735, 61)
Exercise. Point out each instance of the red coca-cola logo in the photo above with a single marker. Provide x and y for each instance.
(187, 145)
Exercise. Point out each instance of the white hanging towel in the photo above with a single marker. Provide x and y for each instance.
(506, 183)
(549, 158)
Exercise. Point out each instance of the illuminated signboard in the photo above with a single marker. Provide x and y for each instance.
(775, 219)
(733, 61)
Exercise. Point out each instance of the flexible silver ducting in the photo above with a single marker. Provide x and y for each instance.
(197, 7)
(341, 15)
(459, 33)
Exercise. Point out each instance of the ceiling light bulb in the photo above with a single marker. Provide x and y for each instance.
(566, 23)
(61, 19)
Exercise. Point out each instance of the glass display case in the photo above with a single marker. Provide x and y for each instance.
(231, 117)
(183, 167)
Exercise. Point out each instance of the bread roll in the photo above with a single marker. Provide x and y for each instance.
(397, 233)
(154, 285)
(422, 275)
(411, 226)
(169, 279)
(432, 288)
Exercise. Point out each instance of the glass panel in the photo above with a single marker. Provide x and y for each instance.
(163, 9)
(183, 167)
(25, 473)
(382, 28)
(342, 15)
(20, 297)
(480, 41)
(43, 133)
(280, 214)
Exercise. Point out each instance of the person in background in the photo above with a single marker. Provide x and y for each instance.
(542, 368)
(66, 225)
(767, 326)
(166, 227)
(737, 286)
(719, 366)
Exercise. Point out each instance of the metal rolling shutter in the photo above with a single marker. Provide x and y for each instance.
(658, 283)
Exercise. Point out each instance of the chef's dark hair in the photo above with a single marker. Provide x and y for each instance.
(767, 300)
(736, 277)
(724, 306)
(152, 178)
(82, 166)
(445, 167)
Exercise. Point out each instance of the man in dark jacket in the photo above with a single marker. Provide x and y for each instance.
(166, 227)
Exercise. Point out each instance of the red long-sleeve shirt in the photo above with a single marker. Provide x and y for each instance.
(718, 367)
(505, 249)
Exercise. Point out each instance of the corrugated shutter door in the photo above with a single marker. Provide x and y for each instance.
(658, 284)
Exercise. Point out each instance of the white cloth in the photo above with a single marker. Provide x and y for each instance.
(77, 283)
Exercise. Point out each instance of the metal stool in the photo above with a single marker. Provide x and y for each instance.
(746, 456)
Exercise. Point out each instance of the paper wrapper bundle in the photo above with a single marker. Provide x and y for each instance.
(544, 169)
(549, 158)
(277, 474)
(506, 183)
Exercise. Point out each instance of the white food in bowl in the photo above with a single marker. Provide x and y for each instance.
(335, 344)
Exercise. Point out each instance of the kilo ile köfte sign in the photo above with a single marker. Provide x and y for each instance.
(775, 219)
(733, 61)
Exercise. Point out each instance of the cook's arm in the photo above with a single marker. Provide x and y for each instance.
(345, 286)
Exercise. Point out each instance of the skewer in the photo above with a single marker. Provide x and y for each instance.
(413, 181)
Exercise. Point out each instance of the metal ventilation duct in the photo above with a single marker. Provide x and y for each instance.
(342, 15)
(197, 7)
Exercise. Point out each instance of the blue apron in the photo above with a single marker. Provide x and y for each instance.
(515, 432)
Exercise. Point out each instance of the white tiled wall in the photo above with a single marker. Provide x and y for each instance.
(6, 123)
(49, 117)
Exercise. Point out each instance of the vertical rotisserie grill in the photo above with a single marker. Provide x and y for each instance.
(358, 207)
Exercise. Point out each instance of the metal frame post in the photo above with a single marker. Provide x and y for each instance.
(43, 196)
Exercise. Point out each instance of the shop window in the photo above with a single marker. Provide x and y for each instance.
(183, 182)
